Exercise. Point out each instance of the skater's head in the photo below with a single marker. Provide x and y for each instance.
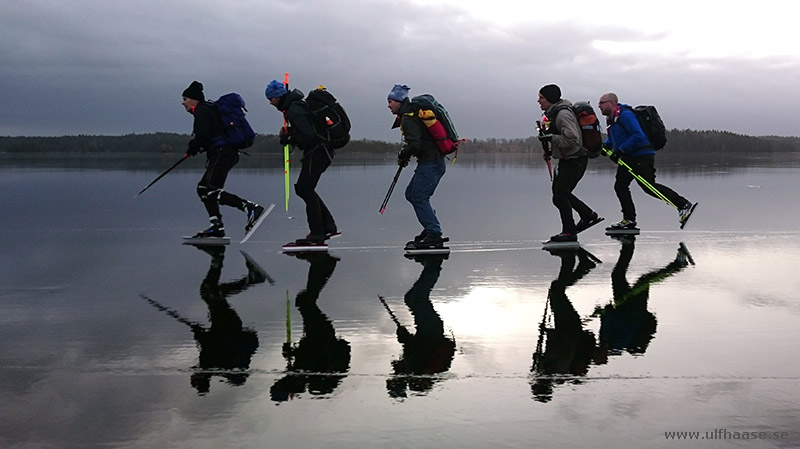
(397, 96)
(192, 95)
(548, 96)
(608, 104)
(274, 91)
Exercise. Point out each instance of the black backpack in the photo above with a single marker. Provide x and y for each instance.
(330, 120)
(652, 125)
(238, 132)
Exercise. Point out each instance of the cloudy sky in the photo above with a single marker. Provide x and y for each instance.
(119, 67)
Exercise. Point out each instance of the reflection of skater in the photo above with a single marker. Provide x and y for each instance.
(428, 351)
(226, 346)
(625, 323)
(569, 348)
(320, 360)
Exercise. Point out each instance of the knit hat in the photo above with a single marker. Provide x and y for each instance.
(551, 92)
(274, 89)
(195, 91)
(399, 92)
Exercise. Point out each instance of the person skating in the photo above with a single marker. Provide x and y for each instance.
(417, 142)
(627, 141)
(219, 161)
(562, 136)
(317, 157)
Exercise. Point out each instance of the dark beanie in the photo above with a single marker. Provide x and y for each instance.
(195, 91)
(551, 92)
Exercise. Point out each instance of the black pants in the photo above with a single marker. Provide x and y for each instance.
(644, 166)
(568, 173)
(314, 164)
(218, 163)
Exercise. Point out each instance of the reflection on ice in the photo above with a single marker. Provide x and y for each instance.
(565, 348)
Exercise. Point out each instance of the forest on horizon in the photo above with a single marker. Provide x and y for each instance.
(681, 144)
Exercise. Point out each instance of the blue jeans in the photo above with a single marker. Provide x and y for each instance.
(419, 191)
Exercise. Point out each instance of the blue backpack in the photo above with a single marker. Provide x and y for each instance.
(238, 132)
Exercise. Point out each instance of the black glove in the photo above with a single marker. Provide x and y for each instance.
(615, 156)
(607, 146)
(285, 137)
(545, 138)
(403, 156)
(192, 151)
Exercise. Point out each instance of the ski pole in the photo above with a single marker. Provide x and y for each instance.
(172, 312)
(183, 158)
(538, 353)
(391, 188)
(286, 149)
(641, 180)
(391, 314)
(288, 320)
(546, 150)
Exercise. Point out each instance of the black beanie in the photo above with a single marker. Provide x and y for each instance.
(195, 91)
(551, 92)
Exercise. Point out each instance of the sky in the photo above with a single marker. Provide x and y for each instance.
(102, 67)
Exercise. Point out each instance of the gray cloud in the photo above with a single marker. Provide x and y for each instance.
(95, 67)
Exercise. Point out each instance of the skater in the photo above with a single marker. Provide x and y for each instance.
(628, 142)
(563, 141)
(317, 157)
(219, 161)
(429, 171)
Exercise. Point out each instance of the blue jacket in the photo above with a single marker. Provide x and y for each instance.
(625, 134)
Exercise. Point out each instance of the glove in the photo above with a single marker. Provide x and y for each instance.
(284, 137)
(404, 156)
(545, 138)
(615, 156)
(607, 146)
(192, 151)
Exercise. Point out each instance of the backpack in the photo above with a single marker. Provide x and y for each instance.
(238, 132)
(329, 118)
(652, 125)
(590, 128)
(589, 125)
(438, 123)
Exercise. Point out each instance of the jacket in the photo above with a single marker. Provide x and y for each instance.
(207, 125)
(625, 135)
(297, 113)
(567, 141)
(417, 141)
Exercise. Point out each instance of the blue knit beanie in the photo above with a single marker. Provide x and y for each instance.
(399, 92)
(274, 89)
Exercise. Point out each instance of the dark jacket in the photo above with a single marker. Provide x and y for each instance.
(297, 113)
(207, 125)
(417, 141)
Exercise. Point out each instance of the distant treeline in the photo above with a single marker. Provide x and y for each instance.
(165, 143)
(680, 143)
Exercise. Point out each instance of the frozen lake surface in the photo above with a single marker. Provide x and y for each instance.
(114, 334)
